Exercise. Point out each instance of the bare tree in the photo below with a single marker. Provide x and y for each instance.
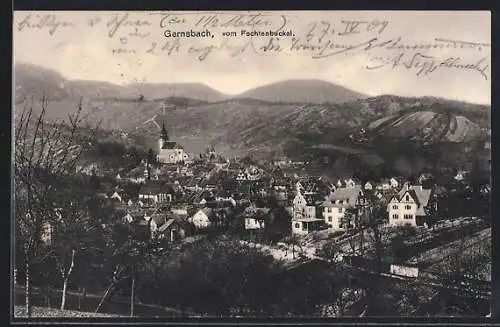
(43, 154)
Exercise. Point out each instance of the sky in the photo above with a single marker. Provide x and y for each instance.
(113, 47)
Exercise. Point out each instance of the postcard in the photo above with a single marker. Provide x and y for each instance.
(254, 164)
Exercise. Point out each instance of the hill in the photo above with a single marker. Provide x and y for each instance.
(302, 91)
(32, 80)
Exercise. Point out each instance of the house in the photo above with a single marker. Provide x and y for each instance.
(255, 218)
(156, 191)
(337, 204)
(128, 218)
(305, 211)
(204, 218)
(408, 207)
(394, 182)
(253, 173)
(170, 152)
(384, 184)
(172, 230)
(118, 177)
(303, 226)
(340, 183)
(485, 190)
(350, 182)
(116, 196)
(164, 227)
(461, 175)
(305, 205)
(179, 210)
(368, 186)
(242, 176)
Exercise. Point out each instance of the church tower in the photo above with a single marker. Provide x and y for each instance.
(163, 137)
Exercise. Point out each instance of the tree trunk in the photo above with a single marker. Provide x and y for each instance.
(109, 289)
(132, 295)
(66, 280)
(64, 292)
(27, 290)
(105, 296)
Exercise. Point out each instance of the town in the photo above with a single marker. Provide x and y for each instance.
(397, 228)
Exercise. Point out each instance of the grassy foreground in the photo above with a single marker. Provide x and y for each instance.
(41, 312)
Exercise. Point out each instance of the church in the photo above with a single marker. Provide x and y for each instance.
(170, 152)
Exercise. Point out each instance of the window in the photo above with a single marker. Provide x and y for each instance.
(395, 216)
(304, 226)
(340, 210)
(297, 225)
(407, 198)
(407, 207)
(408, 216)
(330, 219)
(329, 209)
(395, 207)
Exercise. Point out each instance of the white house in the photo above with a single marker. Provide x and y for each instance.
(408, 206)
(180, 211)
(299, 203)
(404, 270)
(394, 182)
(254, 223)
(368, 186)
(157, 192)
(305, 205)
(461, 175)
(116, 196)
(203, 218)
(337, 203)
(305, 212)
(128, 218)
(350, 182)
(255, 218)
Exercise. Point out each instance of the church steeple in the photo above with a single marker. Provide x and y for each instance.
(164, 134)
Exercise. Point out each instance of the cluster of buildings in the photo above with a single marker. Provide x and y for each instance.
(346, 204)
(179, 195)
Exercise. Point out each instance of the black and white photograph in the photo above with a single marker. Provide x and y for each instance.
(253, 164)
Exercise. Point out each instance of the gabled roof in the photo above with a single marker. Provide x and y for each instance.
(166, 225)
(169, 145)
(312, 198)
(419, 194)
(347, 194)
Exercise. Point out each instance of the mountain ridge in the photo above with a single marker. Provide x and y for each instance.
(35, 80)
